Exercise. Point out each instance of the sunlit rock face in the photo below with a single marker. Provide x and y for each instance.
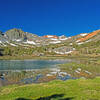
(14, 34)
(88, 36)
(51, 36)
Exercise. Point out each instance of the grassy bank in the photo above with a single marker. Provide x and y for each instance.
(30, 57)
(78, 57)
(80, 89)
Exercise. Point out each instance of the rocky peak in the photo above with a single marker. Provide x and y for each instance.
(14, 34)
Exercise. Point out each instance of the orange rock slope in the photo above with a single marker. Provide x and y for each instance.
(89, 36)
(51, 36)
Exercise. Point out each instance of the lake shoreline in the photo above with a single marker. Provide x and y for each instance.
(29, 57)
(76, 68)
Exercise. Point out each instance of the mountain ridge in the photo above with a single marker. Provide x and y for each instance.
(17, 39)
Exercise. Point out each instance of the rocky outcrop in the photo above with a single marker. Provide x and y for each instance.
(64, 50)
(15, 34)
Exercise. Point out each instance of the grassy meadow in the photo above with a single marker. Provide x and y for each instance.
(79, 89)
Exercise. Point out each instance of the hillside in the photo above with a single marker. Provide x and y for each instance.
(16, 42)
(90, 35)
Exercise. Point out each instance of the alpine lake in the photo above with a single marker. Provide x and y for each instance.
(31, 71)
(39, 71)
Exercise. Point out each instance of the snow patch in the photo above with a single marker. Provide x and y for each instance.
(77, 41)
(18, 40)
(77, 71)
(63, 52)
(54, 39)
(12, 44)
(83, 34)
(50, 36)
(30, 42)
(54, 42)
(88, 40)
(83, 42)
(0, 41)
(4, 45)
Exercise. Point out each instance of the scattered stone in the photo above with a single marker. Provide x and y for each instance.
(88, 72)
(79, 69)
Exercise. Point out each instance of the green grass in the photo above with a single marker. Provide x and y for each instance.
(80, 89)
(32, 57)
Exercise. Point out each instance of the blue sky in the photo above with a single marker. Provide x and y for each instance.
(55, 17)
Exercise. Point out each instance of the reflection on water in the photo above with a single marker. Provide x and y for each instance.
(29, 64)
(31, 71)
(36, 76)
